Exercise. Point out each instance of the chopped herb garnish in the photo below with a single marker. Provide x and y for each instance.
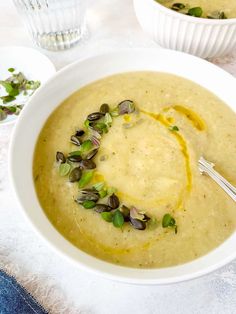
(174, 128)
(10, 88)
(169, 221)
(108, 119)
(86, 146)
(111, 190)
(102, 193)
(114, 113)
(99, 186)
(86, 123)
(7, 99)
(107, 216)
(102, 126)
(3, 114)
(64, 169)
(15, 85)
(85, 179)
(88, 204)
(118, 219)
(9, 110)
(196, 12)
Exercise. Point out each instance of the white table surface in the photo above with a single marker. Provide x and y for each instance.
(58, 284)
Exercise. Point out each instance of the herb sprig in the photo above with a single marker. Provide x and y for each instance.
(14, 86)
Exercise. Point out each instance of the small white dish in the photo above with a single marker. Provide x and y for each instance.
(61, 86)
(33, 64)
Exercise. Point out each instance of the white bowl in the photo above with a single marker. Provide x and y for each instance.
(62, 85)
(204, 38)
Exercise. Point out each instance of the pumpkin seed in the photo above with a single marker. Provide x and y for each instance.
(100, 208)
(75, 153)
(126, 106)
(95, 116)
(75, 175)
(217, 15)
(60, 157)
(137, 224)
(79, 133)
(92, 154)
(178, 6)
(113, 201)
(125, 212)
(75, 158)
(88, 164)
(87, 191)
(88, 197)
(75, 140)
(104, 108)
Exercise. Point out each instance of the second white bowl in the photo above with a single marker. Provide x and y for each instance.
(204, 38)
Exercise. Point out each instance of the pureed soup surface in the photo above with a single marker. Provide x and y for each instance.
(209, 7)
(152, 166)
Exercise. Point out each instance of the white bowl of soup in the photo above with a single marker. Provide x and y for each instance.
(210, 30)
(152, 114)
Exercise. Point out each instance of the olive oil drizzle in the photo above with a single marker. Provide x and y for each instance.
(182, 143)
(194, 118)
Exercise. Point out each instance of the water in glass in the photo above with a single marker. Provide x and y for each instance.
(54, 24)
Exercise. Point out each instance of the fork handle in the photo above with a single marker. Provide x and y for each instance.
(208, 168)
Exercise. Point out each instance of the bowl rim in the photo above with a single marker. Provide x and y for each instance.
(101, 267)
(196, 20)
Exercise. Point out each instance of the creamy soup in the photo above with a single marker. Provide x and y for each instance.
(210, 8)
(150, 157)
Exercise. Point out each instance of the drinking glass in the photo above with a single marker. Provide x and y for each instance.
(54, 24)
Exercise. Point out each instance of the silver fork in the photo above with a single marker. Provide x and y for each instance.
(207, 167)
